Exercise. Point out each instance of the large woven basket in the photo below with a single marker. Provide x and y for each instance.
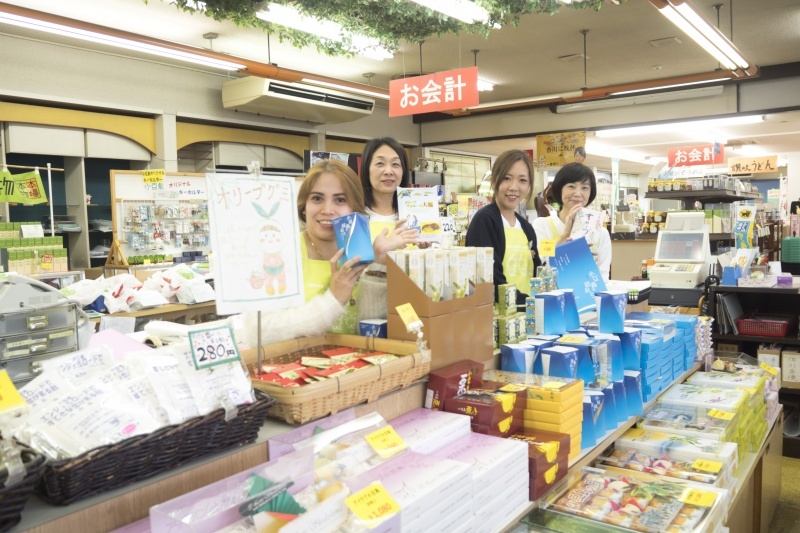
(14, 497)
(298, 405)
(110, 467)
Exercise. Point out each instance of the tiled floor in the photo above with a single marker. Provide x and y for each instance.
(787, 514)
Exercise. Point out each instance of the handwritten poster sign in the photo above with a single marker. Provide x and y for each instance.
(558, 149)
(25, 188)
(701, 154)
(153, 176)
(753, 165)
(255, 239)
(441, 91)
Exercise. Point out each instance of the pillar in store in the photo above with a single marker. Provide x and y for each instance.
(793, 172)
(316, 142)
(166, 156)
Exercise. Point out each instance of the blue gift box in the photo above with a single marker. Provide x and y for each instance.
(550, 313)
(572, 319)
(633, 392)
(588, 365)
(373, 327)
(614, 350)
(615, 414)
(520, 357)
(352, 235)
(551, 338)
(559, 361)
(593, 424)
(621, 399)
(611, 310)
(631, 340)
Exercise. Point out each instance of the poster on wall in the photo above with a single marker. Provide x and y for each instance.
(25, 188)
(312, 157)
(559, 149)
(255, 241)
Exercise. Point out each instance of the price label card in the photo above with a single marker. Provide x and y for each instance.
(211, 347)
(769, 369)
(448, 225)
(32, 231)
(553, 385)
(409, 317)
(700, 498)
(707, 465)
(386, 442)
(722, 415)
(9, 396)
(47, 262)
(547, 247)
(372, 504)
(572, 339)
(153, 176)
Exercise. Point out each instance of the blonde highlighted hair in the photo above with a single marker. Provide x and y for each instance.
(353, 192)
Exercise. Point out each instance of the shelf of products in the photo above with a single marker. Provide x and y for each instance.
(722, 195)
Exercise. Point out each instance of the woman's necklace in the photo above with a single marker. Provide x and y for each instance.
(314, 246)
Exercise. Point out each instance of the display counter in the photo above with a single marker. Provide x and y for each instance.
(171, 312)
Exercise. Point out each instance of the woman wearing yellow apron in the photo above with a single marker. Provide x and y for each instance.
(501, 227)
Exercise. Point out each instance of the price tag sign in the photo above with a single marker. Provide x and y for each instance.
(153, 176)
(722, 415)
(706, 465)
(386, 442)
(700, 498)
(448, 225)
(373, 504)
(9, 396)
(555, 385)
(769, 369)
(32, 231)
(47, 262)
(572, 339)
(211, 347)
(409, 317)
(547, 247)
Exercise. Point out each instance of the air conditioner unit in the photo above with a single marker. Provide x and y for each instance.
(294, 100)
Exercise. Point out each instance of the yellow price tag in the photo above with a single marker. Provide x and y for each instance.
(547, 247)
(153, 176)
(409, 317)
(700, 498)
(146, 262)
(553, 385)
(512, 387)
(372, 504)
(386, 442)
(707, 466)
(722, 415)
(770, 369)
(9, 396)
(573, 339)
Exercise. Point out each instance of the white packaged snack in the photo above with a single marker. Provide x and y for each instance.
(78, 365)
(129, 379)
(169, 383)
(43, 388)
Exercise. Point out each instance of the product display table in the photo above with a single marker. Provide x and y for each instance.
(172, 312)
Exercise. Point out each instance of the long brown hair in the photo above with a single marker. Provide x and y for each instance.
(502, 166)
(352, 188)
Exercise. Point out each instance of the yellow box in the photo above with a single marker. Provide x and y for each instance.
(573, 430)
(550, 406)
(567, 417)
(561, 395)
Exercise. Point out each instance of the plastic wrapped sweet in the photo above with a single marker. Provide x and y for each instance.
(637, 501)
(701, 422)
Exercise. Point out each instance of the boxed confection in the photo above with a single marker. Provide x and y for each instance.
(450, 381)
(558, 361)
(702, 422)
(611, 310)
(598, 499)
(548, 460)
(701, 396)
(633, 392)
(615, 414)
(548, 388)
(352, 236)
(590, 354)
(520, 357)
(615, 361)
(564, 419)
(656, 442)
(748, 380)
(548, 406)
(426, 431)
(550, 313)
(499, 411)
(593, 426)
(631, 340)
(288, 442)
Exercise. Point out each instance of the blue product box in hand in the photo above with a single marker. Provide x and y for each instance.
(559, 361)
(611, 310)
(352, 234)
(572, 319)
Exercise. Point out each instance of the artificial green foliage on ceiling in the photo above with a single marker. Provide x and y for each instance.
(390, 21)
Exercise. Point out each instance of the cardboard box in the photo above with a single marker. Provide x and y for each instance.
(455, 329)
(450, 381)
(790, 369)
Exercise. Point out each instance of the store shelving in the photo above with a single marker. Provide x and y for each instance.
(720, 195)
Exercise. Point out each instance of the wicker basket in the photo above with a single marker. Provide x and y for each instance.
(14, 498)
(298, 405)
(110, 467)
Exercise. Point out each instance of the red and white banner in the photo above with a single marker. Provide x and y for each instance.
(441, 91)
(702, 154)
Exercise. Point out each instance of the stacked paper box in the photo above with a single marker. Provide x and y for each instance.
(426, 431)
(553, 404)
(432, 492)
(588, 357)
(593, 426)
(450, 381)
(548, 458)
(520, 357)
(656, 442)
(499, 469)
(691, 326)
(495, 410)
(702, 396)
(696, 422)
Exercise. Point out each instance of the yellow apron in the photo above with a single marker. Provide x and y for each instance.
(518, 261)
(556, 236)
(316, 280)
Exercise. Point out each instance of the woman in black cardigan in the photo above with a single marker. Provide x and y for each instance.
(498, 225)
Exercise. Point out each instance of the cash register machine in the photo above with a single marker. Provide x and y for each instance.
(683, 253)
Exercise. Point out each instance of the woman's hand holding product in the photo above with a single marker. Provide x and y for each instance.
(344, 278)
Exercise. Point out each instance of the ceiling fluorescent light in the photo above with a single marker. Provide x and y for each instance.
(684, 15)
(661, 87)
(484, 85)
(528, 100)
(595, 104)
(345, 88)
(463, 10)
(671, 96)
(291, 18)
(110, 40)
(679, 126)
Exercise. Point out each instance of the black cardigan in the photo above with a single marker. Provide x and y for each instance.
(486, 229)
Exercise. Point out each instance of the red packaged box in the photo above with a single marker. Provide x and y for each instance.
(491, 408)
(503, 429)
(541, 484)
(548, 458)
(450, 381)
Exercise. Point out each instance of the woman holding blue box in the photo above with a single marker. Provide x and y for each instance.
(574, 188)
(333, 296)
(500, 226)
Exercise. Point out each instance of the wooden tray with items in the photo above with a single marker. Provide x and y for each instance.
(298, 404)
